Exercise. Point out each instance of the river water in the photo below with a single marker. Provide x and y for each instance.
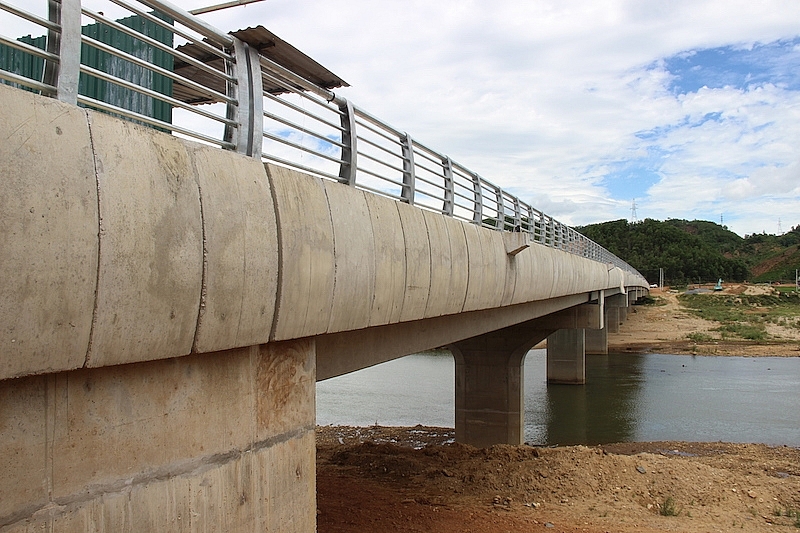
(627, 398)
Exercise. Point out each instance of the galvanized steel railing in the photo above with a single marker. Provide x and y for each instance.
(130, 63)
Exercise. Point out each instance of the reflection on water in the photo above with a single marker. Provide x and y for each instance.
(603, 410)
(626, 398)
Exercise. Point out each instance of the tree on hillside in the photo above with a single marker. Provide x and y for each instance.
(684, 254)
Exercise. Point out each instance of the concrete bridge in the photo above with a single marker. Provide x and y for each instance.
(166, 309)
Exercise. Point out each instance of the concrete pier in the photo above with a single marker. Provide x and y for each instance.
(490, 405)
(596, 341)
(566, 357)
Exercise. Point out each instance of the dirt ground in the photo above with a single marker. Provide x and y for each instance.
(419, 479)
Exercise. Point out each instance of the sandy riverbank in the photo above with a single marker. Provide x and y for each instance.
(664, 329)
(416, 479)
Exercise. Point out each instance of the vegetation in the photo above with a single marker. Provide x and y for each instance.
(744, 316)
(669, 508)
(699, 251)
(698, 336)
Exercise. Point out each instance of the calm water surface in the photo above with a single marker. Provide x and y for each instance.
(626, 398)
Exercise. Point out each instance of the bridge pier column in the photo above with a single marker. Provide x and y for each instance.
(612, 319)
(597, 341)
(616, 311)
(566, 357)
(489, 385)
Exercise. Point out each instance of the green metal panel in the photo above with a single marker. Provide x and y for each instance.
(121, 68)
(30, 66)
(23, 63)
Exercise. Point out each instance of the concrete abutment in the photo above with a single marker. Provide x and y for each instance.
(221, 441)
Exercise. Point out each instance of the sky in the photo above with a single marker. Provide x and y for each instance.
(583, 108)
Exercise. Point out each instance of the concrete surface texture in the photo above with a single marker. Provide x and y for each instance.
(566, 357)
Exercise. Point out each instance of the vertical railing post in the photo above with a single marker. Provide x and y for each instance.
(67, 45)
(556, 237)
(232, 133)
(248, 111)
(525, 221)
(539, 227)
(449, 187)
(477, 216)
(501, 212)
(409, 170)
(517, 216)
(256, 118)
(347, 170)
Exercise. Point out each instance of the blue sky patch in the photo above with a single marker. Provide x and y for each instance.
(631, 179)
(729, 66)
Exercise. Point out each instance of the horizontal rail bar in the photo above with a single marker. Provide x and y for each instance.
(155, 68)
(157, 44)
(110, 108)
(287, 142)
(295, 78)
(297, 127)
(28, 82)
(299, 166)
(175, 30)
(298, 109)
(154, 94)
(29, 49)
(30, 17)
(376, 160)
(379, 147)
(190, 21)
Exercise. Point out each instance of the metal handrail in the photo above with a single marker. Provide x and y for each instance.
(330, 138)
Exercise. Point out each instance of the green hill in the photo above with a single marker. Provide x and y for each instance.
(698, 251)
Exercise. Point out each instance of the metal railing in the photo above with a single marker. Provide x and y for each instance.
(156, 64)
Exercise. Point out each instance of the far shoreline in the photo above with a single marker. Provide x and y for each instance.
(668, 328)
(712, 348)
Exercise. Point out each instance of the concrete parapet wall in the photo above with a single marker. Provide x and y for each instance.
(222, 440)
(122, 244)
(48, 235)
